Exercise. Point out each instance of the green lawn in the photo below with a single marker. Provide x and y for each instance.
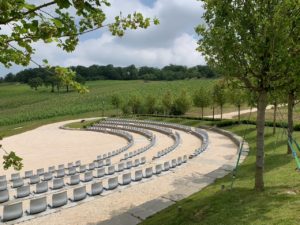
(278, 204)
(23, 107)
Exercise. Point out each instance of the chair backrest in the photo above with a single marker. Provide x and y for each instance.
(12, 212)
(104, 156)
(174, 163)
(58, 183)
(60, 173)
(37, 205)
(40, 171)
(74, 179)
(3, 185)
(179, 160)
(70, 165)
(111, 170)
(143, 160)
(184, 158)
(17, 183)
(41, 187)
(51, 169)
(82, 168)
(128, 164)
(61, 166)
(100, 172)
(3, 178)
(100, 163)
(158, 168)
(47, 176)
(136, 162)
(77, 163)
(34, 179)
(112, 183)
(15, 176)
(166, 166)
(23, 191)
(88, 176)
(138, 175)
(28, 174)
(96, 188)
(99, 157)
(126, 178)
(120, 167)
(59, 199)
(91, 166)
(4, 196)
(79, 194)
(107, 162)
(72, 171)
(148, 172)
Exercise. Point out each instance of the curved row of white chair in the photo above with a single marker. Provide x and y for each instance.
(39, 204)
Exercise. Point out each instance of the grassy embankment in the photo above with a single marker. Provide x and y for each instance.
(278, 204)
(22, 108)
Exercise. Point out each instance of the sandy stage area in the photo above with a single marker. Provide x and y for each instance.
(48, 145)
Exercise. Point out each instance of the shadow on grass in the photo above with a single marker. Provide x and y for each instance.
(239, 206)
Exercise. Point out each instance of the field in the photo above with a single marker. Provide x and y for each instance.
(22, 108)
(278, 204)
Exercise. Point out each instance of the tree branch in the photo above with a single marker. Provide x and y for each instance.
(27, 12)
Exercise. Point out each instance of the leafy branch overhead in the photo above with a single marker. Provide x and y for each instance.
(11, 159)
(24, 23)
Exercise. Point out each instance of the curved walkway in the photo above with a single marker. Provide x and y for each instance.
(133, 204)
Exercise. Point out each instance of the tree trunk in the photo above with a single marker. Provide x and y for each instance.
(202, 112)
(67, 88)
(260, 128)
(52, 87)
(274, 118)
(221, 112)
(290, 128)
(213, 108)
(239, 113)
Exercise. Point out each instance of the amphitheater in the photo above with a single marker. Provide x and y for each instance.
(118, 171)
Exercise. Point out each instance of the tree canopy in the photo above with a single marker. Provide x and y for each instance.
(254, 42)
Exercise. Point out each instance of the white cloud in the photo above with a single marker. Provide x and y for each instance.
(172, 42)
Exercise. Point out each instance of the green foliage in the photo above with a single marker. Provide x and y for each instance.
(31, 23)
(67, 77)
(35, 82)
(167, 102)
(18, 104)
(181, 104)
(150, 104)
(202, 98)
(116, 101)
(135, 103)
(12, 160)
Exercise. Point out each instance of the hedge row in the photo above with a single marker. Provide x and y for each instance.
(224, 122)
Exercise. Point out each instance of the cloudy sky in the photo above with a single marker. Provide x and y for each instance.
(173, 41)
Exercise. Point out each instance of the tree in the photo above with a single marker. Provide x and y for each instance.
(167, 102)
(219, 95)
(10, 159)
(116, 101)
(35, 82)
(237, 97)
(202, 99)
(251, 41)
(150, 104)
(135, 102)
(181, 104)
(30, 23)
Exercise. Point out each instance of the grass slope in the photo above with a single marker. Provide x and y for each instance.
(278, 204)
(21, 106)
